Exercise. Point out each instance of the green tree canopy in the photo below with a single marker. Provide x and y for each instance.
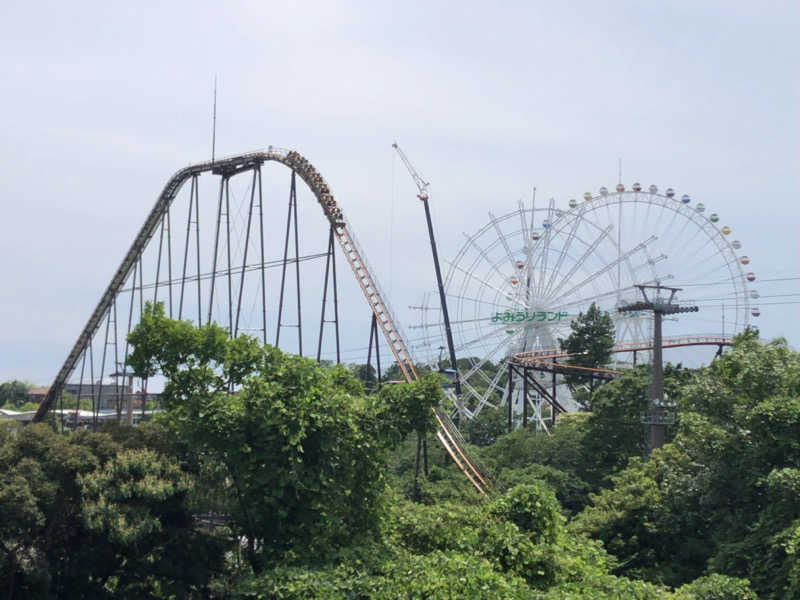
(590, 342)
(81, 517)
(721, 497)
(14, 394)
(302, 447)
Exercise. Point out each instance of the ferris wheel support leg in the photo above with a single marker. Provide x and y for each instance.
(524, 399)
(510, 398)
(555, 398)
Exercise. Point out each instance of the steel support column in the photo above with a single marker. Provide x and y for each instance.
(330, 261)
(292, 212)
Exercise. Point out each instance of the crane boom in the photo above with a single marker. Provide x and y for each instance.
(422, 185)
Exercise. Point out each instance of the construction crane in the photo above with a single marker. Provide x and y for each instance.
(422, 187)
(421, 184)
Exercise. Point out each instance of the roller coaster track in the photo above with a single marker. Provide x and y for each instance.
(448, 434)
(548, 355)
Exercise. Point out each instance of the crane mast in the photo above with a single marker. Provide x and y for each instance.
(422, 187)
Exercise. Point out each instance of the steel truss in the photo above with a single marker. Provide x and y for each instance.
(226, 276)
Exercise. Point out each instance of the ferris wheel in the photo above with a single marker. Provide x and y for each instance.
(519, 281)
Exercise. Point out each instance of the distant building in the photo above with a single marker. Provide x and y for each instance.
(106, 393)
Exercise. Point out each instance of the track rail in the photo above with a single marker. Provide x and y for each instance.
(356, 258)
(550, 354)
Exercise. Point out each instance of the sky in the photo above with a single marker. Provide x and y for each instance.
(102, 101)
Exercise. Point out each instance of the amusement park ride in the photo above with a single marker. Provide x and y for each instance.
(513, 288)
(518, 282)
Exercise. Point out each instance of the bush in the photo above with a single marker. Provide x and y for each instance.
(716, 587)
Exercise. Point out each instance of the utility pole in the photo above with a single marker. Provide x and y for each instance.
(656, 417)
(422, 187)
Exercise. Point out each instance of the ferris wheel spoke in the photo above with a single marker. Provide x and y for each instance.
(479, 365)
(439, 324)
(494, 381)
(587, 253)
(545, 254)
(484, 399)
(651, 264)
(485, 256)
(664, 202)
(713, 270)
(675, 214)
(683, 230)
(687, 252)
(503, 241)
(607, 267)
(483, 337)
(695, 253)
(471, 390)
(522, 292)
(562, 255)
(471, 299)
(585, 300)
(489, 285)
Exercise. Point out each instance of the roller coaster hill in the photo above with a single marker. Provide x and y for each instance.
(221, 284)
(234, 261)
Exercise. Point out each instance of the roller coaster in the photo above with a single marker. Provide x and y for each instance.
(159, 219)
(516, 301)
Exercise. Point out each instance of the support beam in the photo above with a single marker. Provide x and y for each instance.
(657, 418)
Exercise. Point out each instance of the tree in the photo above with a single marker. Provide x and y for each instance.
(716, 587)
(83, 518)
(590, 342)
(302, 448)
(721, 497)
(137, 503)
(366, 374)
(14, 394)
(484, 429)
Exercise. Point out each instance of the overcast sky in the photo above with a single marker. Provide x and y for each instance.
(100, 102)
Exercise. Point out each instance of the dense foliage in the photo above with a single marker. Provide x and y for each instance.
(723, 496)
(14, 394)
(301, 448)
(589, 343)
(312, 484)
(94, 516)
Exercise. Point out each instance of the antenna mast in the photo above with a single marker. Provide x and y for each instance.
(214, 122)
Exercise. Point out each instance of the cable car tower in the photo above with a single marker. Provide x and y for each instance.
(657, 417)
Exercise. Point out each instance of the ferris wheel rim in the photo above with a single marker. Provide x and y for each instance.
(474, 252)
